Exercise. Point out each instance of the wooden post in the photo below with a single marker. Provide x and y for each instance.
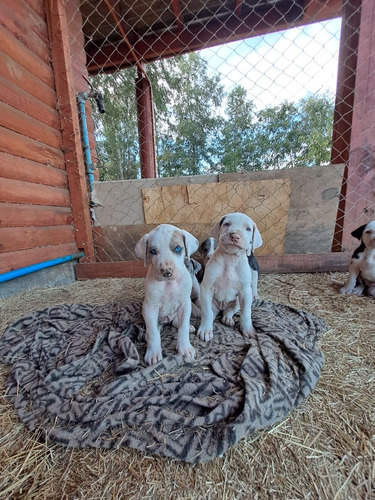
(57, 21)
(360, 193)
(343, 114)
(145, 127)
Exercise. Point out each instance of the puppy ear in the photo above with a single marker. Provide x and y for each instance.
(256, 242)
(141, 248)
(216, 228)
(196, 265)
(191, 243)
(357, 233)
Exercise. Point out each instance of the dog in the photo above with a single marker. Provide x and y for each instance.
(361, 277)
(227, 281)
(168, 286)
(205, 250)
(193, 266)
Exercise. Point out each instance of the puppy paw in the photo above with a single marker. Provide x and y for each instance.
(358, 290)
(346, 291)
(153, 356)
(227, 320)
(191, 329)
(187, 350)
(248, 331)
(205, 334)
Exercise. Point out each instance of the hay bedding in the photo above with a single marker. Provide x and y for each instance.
(78, 376)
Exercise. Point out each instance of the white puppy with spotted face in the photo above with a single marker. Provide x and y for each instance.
(226, 284)
(168, 287)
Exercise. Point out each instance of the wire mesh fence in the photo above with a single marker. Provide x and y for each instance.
(214, 107)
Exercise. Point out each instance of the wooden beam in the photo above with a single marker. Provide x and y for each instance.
(146, 136)
(212, 33)
(306, 263)
(343, 114)
(58, 22)
(360, 195)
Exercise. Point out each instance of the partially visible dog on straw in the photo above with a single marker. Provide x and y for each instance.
(168, 286)
(361, 277)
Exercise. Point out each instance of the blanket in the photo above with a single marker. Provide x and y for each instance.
(77, 377)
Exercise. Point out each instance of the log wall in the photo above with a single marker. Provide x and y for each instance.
(37, 213)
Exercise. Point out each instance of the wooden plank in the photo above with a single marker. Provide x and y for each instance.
(133, 269)
(24, 124)
(19, 145)
(15, 215)
(58, 27)
(310, 263)
(22, 78)
(23, 101)
(15, 260)
(13, 167)
(360, 200)
(15, 191)
(34, 36)
(17, 238)
(17, 51)
(266, 202)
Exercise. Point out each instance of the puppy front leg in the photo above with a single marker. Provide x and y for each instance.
(352, 280)
(153, 352)
(183, 340)
(205, 330)
(246, 325)
(254, 284)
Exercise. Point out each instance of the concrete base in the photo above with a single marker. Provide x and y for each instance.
(62, 274)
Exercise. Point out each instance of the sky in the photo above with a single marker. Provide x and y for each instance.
(286, 65)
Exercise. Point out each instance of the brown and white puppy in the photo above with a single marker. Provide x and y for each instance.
(168, 286)
(205, 250)
(226, 284)
(361, 277)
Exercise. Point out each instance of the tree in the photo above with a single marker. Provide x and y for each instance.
(238, 148)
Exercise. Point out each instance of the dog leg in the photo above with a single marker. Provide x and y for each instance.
(208, 312)
(254, 284)
(229, 312)
(246, 325)
(350, 284)
(184, 346)
(153, 352)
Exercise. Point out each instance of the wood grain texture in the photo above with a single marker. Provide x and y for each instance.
(15, 191)
(22, 258)
(12, 239)
(18, 215)
(266, 202)
(14, 167)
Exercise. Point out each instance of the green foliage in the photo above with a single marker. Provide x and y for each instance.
(200, 128)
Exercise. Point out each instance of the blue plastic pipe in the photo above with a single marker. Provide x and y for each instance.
(81, 98)
(37, 267)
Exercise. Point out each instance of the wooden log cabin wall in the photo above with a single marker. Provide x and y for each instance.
(44, 209)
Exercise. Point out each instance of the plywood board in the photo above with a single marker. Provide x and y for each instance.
(266, 202)
(313, 205)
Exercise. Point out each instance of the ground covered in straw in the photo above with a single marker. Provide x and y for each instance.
(325, 449)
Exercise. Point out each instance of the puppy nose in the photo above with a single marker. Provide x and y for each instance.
(234, 236)
(166, 272)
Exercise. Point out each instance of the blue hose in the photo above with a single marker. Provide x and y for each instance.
(81, 98)
(37, 267)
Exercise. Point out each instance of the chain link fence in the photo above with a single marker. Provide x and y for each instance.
(216, 107)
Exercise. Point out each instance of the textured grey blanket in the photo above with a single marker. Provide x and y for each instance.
(77, 376)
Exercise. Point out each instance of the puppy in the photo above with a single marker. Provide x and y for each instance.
(362, 266)
(206, 250)
(168, 286)
(226, 284)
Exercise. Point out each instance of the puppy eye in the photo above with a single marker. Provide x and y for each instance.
(248, 229)
(226, 224)
(178, 249)
(153, 251)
